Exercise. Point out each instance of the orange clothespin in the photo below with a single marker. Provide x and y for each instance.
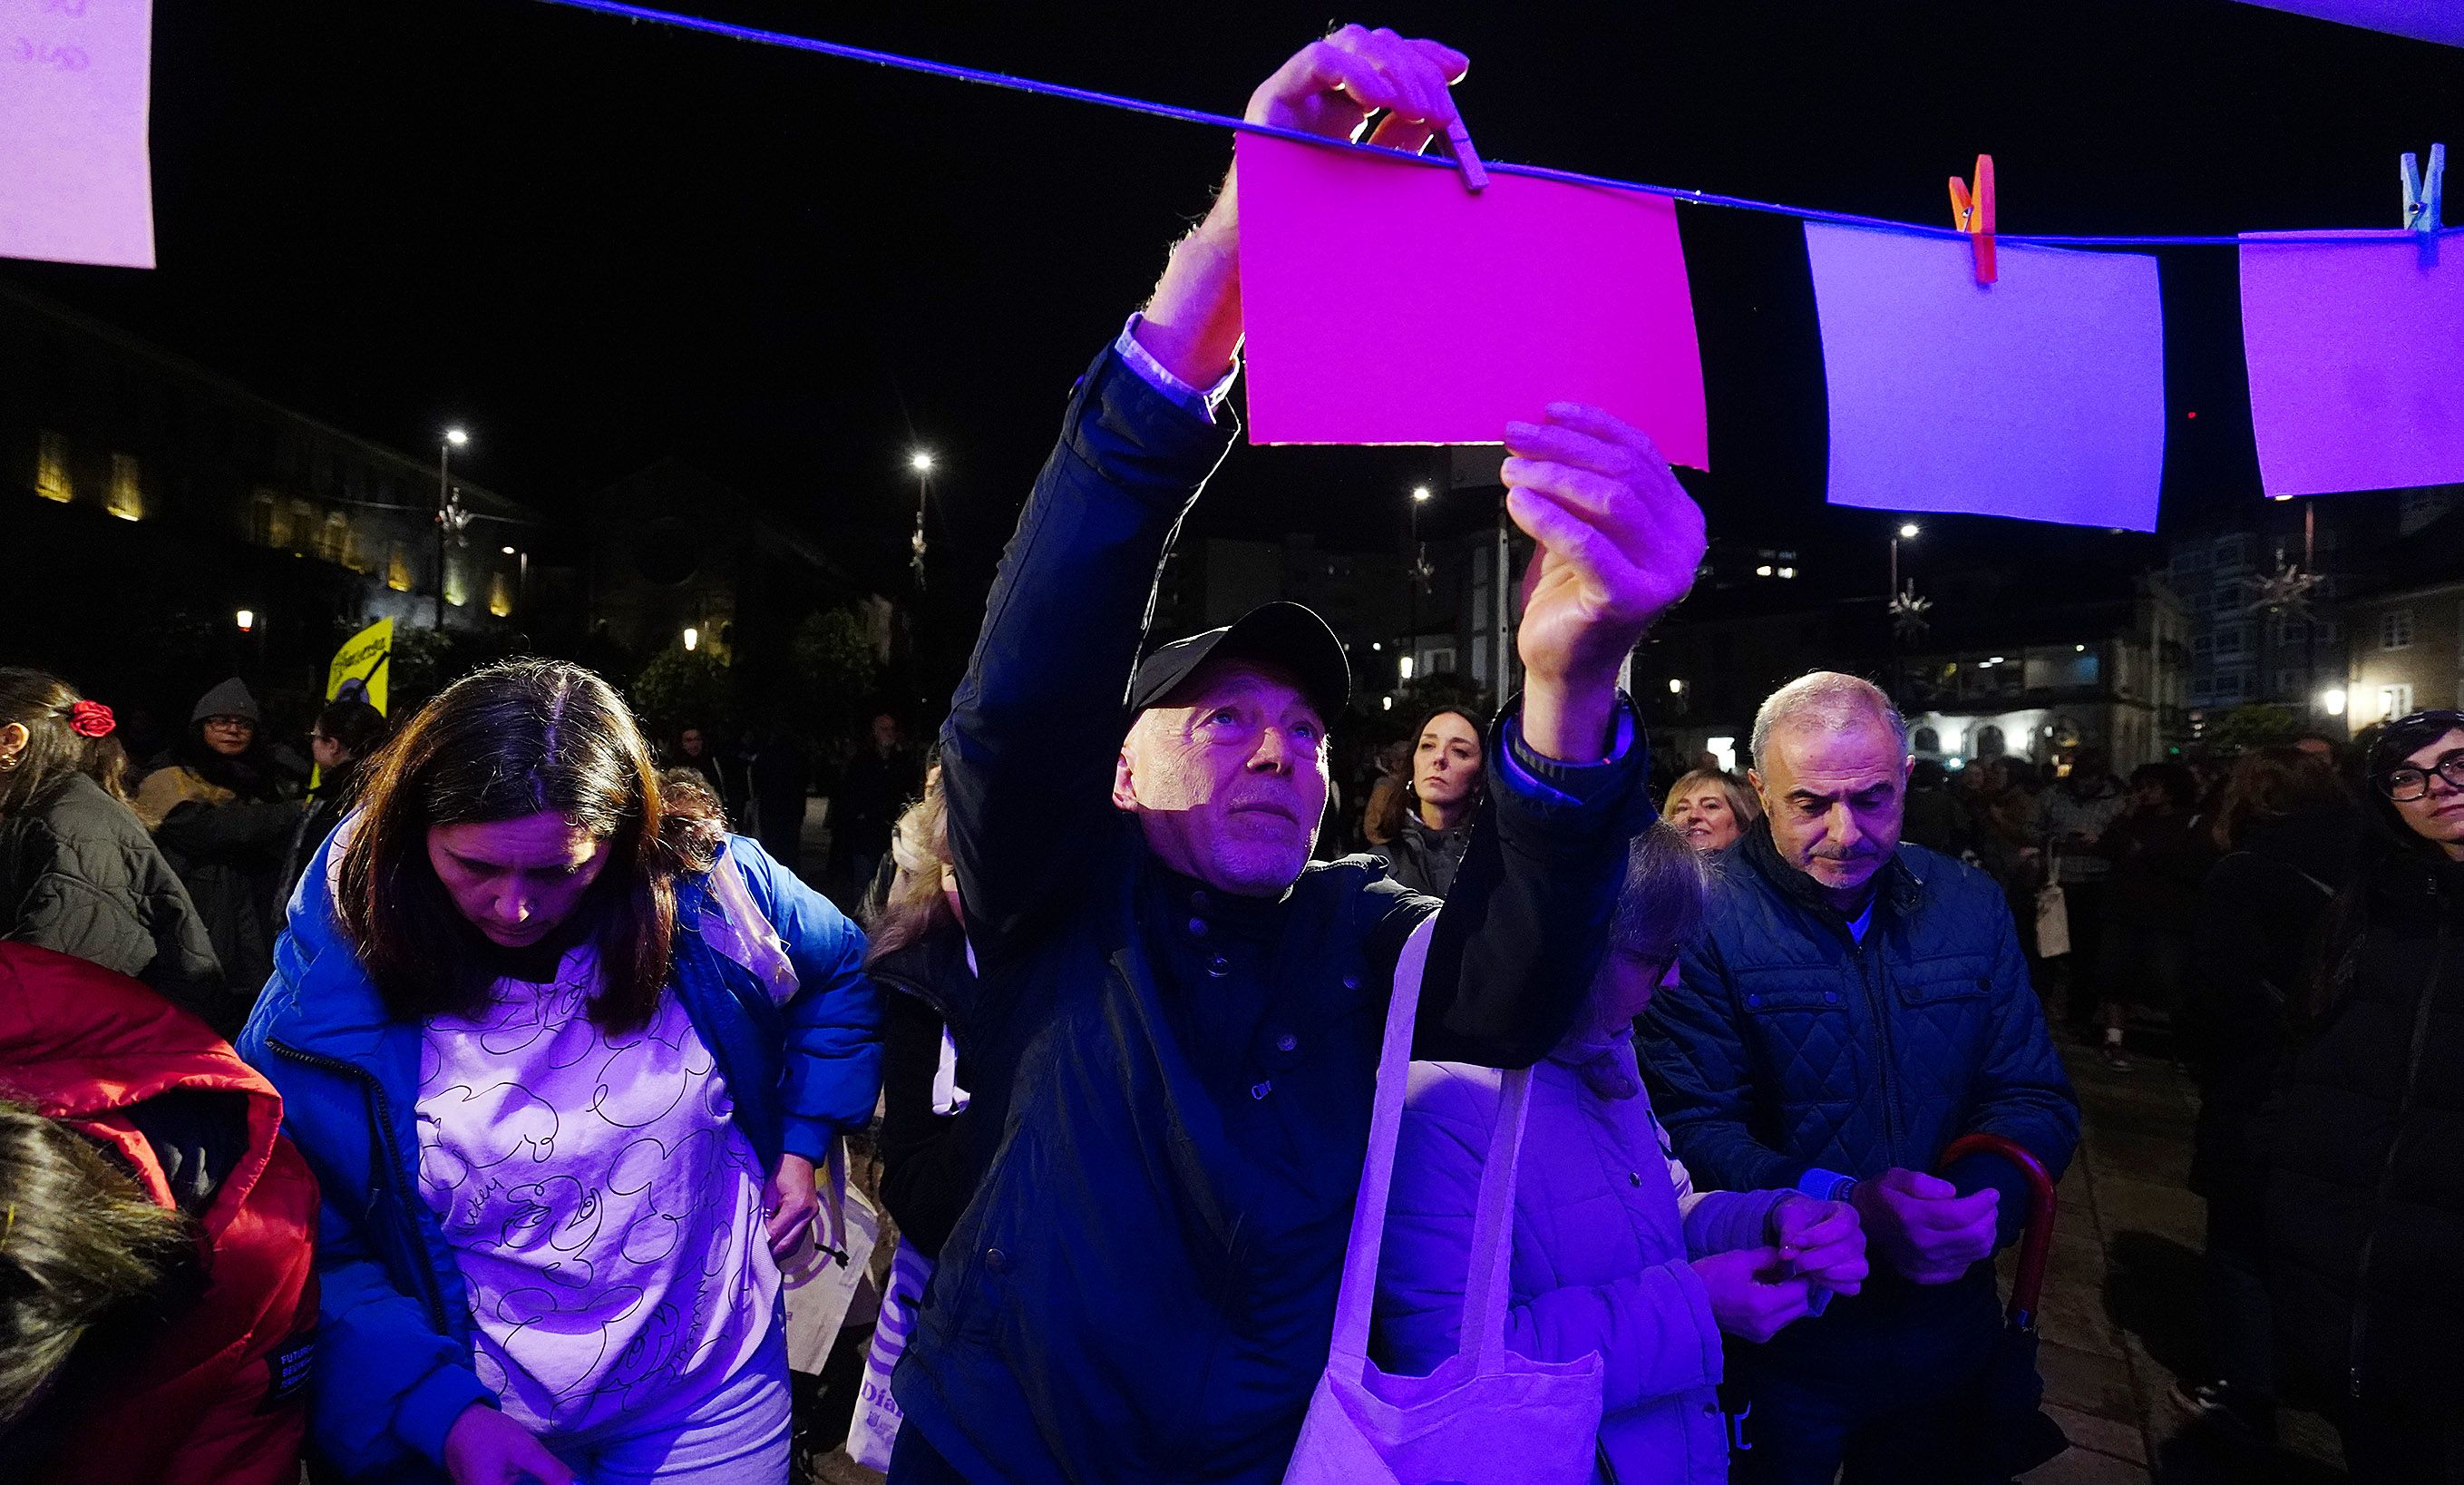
(1973, 215)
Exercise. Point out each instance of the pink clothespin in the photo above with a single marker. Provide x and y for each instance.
(1972, 213)
(1466, 158)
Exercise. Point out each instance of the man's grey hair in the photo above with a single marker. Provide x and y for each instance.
(1825, 702)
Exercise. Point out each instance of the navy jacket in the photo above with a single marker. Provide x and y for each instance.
(1143, 1286)
(1789, 1049)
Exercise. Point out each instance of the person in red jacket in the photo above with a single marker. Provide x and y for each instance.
(158, 1300)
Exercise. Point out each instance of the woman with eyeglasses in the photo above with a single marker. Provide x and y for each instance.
(345, 734)
(224, 811)
(2364, 1203)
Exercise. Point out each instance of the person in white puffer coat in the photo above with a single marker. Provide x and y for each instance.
(1614, 1252)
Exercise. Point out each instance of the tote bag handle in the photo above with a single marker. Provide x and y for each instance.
(1493, 1246)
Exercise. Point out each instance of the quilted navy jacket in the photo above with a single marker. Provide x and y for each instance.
(1791, 1048)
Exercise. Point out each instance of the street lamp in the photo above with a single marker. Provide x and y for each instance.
(2332, 702)
(920, 461)
(1419, 569)
(246, 619)
(454, 438)
(1908, 531)
(693, 638)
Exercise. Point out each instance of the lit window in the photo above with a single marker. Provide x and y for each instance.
(2395, 629)
(51, 467)
(457, 584)
(398, 575)
(500, 595)
(334, 537)
(128, 497)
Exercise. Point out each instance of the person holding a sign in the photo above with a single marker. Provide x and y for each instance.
(1183, 1012)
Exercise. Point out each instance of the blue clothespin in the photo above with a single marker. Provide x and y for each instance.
(2424, 197)
(1475, 176)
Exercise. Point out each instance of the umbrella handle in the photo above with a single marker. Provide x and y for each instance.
(2036, 1239)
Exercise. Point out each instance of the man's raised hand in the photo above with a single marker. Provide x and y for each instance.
(1619, 541)
(1329, 87)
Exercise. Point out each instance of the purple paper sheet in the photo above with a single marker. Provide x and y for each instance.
(75, 183)
(1384, 304)
(2040, 396)
(2356, 359)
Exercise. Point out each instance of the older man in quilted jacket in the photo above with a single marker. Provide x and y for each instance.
(1851, 1006)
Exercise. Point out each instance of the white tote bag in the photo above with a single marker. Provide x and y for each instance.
(1486, 1416)
(874, 1430)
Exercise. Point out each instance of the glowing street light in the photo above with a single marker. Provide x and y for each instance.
(1419, 492)
(246, 619)
(920, 461)
(693, 637)
(1908, 531)
(2332, 702)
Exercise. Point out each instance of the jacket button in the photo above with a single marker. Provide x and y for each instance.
(1753, 1000)
(1634, 1176)
(1351, 982)
(997, 1260)
(1259, 1090)
(1198, 927)
(1831, 997)
(1219, 967)
(1286, 1042)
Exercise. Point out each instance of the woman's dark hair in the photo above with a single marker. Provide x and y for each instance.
(42, 703)
(2180, 784)
(80, 1241)
(2272, 784)
(357, 727)
(515, 739)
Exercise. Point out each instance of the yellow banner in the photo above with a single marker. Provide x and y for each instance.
(360, 667)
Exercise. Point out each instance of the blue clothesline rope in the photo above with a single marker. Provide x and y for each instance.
(1138, 105)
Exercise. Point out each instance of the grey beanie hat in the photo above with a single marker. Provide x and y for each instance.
(231, 698)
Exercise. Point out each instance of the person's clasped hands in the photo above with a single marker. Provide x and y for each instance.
(1923, 1228)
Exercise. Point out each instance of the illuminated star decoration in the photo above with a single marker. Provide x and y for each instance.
(1909, 611)
(2286, 590)
(455, 519)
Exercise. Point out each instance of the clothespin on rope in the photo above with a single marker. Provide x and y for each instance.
(1973, 215)
(2424, 200)
(1475, 176)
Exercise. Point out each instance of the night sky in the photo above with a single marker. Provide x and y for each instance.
(597, 243)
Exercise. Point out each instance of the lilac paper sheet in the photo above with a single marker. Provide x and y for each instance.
(75, 183)
(2356, 359)
(2041, 396)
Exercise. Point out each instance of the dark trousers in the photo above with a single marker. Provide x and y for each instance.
(913, 1461)
(2395, 1441)
(1896, 1404)
(2241, 1335)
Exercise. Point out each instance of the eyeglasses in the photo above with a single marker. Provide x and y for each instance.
(231, 723)
(2407, 784)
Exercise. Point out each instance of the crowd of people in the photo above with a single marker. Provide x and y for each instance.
(457, 1118)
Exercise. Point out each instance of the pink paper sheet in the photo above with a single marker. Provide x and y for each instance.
(1385, 303)
(75, 183)
(2040, 396)
(2356, 359)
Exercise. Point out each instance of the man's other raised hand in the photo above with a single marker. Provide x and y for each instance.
(1619, 541)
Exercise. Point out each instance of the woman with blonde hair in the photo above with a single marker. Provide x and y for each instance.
(1710, 810)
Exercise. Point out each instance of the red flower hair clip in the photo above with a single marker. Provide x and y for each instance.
(90, 718)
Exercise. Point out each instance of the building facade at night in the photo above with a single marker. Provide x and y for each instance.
(146, 495)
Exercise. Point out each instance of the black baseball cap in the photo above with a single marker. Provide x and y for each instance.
(1288, 635)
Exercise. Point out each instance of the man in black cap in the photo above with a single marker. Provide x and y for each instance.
(1175, 1029)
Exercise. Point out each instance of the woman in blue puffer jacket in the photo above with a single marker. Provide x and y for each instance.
(1614, 1252)
(564, 1057)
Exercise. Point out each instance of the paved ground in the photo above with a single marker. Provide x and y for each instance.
(2120, 1316)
